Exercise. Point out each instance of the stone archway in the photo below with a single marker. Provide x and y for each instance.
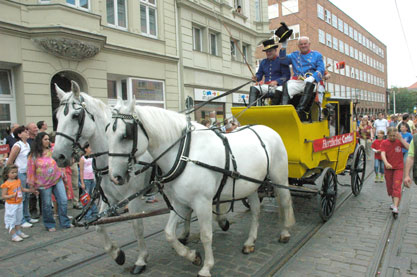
(63, 80)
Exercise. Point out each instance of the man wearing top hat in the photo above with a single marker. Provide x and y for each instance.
(308, 68)
(274, 72)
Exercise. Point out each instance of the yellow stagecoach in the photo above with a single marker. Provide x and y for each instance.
(318, 150)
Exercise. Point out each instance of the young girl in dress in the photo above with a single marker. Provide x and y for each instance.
(392, 155)
(378, 163)
(11, 191)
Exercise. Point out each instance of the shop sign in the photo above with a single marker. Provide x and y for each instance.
(326, 143)
(239, 97)
(207, 94)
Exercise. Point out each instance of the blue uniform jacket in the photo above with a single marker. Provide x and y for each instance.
(311, 62)
(273, 70)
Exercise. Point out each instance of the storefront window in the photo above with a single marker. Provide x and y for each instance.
(148, 92)
(7, 102)
(204, 112)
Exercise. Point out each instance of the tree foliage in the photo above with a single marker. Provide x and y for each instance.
(405, 100)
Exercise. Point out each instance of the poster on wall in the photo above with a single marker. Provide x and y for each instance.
(207, 94)
(240, 98)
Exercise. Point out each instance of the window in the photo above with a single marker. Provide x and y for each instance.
(335, 43)
(334, 20)
(328, 16)
(258, 10)
(7, 102)
(346, 28)
(336, 70)
(360, 38)
(320, 11)
(329, 40)
(289, 7)
(116, 13)
(330, 87)
(360, 56)
(337, 90)
(340, 25)
(352, 72)
(356, 74)
(341, 46)
(246, 52)
(351, 51)
(348, 93)
(81, 4)
(116, 87)
(347, 68)
(342, 71)
(330, 63)
(356, 54)
(197, 39)
(233, 50)
(361, 75)
(296, 32)
(213, 44)
(367, 43)
(273, 11)
(321, 37)
(148, 20)
(148, 92)
(355, 35)
(346, 49)
(350, 32)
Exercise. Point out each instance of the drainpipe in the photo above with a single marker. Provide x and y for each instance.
(181, 97)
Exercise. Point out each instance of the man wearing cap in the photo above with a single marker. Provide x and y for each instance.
(308, 67)
(275, 73)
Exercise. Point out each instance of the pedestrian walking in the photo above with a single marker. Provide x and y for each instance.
(87, 180)
(391, 152)
(366, 133)
(378, 163)
(11, 191)
(411, 163)
(381, 124)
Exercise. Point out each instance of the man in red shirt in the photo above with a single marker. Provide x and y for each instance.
(391, 153)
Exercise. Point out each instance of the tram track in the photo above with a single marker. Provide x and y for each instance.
(279, 264)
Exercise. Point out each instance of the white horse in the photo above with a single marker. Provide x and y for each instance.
(97, 116)
(196, 186)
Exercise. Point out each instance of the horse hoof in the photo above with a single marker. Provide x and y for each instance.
(120, 260)
(248, 249)
(137, 269)
(284, 239)
(197, 260)
(225, 226)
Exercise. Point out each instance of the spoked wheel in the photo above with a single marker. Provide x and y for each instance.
(328, 194)
(357, 173)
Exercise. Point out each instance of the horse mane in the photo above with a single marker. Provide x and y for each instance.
(164, 125)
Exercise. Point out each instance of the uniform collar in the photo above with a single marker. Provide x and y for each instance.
(273, 59)
(306, 53)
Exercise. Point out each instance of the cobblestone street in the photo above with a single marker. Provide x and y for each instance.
(351, 243)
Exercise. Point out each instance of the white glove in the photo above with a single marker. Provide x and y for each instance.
(309, 79)
(284, 44)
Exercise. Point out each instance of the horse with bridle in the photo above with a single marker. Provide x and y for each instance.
(190, 156)
(82, 119)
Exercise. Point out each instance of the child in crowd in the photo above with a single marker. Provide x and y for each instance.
(393, 160)
(378, 163)
(87, 179)
(2, 164)
(408, 137)
(11, 191)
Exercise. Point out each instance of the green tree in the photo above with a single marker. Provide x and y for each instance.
(405, 100)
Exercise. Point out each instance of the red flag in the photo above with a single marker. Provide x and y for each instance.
(340, 65)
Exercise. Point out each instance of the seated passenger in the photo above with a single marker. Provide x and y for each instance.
(274, 72)
(308, 70)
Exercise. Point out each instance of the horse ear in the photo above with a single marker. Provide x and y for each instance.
(60, 93)
(75, 88)
(118, 103)
(132, 104)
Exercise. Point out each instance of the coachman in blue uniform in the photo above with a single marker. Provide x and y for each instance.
(275, 73)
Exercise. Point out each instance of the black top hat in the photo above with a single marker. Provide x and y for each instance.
(283, 33)
(269, 44)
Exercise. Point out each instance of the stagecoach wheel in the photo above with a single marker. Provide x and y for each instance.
(357, 173)
(328, 194)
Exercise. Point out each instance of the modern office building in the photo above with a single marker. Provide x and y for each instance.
(338, 37)
(159, 51)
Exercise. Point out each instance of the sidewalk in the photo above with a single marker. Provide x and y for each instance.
(353, 241)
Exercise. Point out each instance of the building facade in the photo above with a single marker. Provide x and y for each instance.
(338, 38)
(158, 51)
